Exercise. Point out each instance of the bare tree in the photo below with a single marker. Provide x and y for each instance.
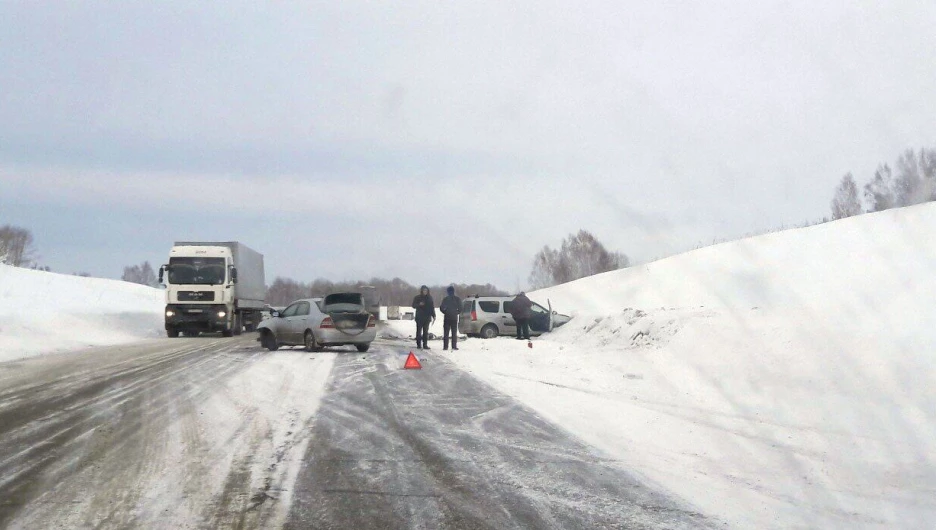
(916, 177)
(846, 203)
(908, 185)
(928, 171)
(581, 255)
(142, 274)
(545, 268)
(880, 191)
(16, 246)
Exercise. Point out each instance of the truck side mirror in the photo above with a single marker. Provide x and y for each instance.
(161, 270)
(233, 274)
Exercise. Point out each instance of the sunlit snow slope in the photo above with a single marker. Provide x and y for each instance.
(42, 312)
(781, 381)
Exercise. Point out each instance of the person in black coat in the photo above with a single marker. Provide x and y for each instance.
(425, 314)
(450, 307)
(520, 309)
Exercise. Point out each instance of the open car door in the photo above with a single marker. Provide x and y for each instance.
(540, 319)
(552, 322)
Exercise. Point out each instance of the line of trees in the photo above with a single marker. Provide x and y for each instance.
(579, 256)
(913, 182)
(142, 274)
(390, 292)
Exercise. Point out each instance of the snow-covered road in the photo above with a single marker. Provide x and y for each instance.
(218, 433)
(437, 448)
(182, 433)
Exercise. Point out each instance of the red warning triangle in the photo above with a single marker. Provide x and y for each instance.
(412, 363)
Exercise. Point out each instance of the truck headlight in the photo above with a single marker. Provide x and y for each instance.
(170, 313)
(221, 314)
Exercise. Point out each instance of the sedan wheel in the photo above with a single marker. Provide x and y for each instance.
(309, 341)
(362, 347)
(269, 342)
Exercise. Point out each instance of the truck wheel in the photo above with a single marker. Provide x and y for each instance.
(172, 333)
(269, 342)
(238, 325)
(362, 347)
(489, 331)
(229, 332)
(309, 341)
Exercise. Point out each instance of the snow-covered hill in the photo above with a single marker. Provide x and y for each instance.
(42, 312)
(782, 381)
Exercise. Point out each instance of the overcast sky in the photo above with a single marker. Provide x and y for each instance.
(444, 141)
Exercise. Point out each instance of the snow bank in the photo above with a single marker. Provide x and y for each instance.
(780, 381)
(42, 312)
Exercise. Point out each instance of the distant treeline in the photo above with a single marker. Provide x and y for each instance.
(912, 180)
(389, 292)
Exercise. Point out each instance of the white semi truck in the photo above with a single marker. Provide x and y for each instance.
(212, 286)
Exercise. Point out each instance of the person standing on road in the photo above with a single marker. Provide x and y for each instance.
(520, 309)
(450, 308)
(425, 314)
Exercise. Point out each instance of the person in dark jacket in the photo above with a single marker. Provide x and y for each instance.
(425, 313)
(520, 309)
(450, 307)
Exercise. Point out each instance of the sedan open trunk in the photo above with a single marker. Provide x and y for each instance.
(347, 311)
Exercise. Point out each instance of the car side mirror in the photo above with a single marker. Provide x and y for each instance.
(275, 313)
(555, 312)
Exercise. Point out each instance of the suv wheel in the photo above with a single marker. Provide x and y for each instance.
(489, 331)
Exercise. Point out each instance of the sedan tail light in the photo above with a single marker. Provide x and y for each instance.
(327, 323)
(474, 316)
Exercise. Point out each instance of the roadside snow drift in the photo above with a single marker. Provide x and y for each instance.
(783, 381)
(42, 312)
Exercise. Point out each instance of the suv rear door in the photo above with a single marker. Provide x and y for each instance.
(464, 320)
(508, 324)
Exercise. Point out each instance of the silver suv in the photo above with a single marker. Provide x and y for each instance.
(489, 316)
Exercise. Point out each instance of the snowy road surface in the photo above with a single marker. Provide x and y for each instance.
(217, 433)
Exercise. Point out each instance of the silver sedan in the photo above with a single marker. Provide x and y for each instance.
(338, 319)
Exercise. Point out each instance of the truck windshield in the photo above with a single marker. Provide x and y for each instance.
(197, 271)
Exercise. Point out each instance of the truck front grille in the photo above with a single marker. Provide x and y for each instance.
(196, 296)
